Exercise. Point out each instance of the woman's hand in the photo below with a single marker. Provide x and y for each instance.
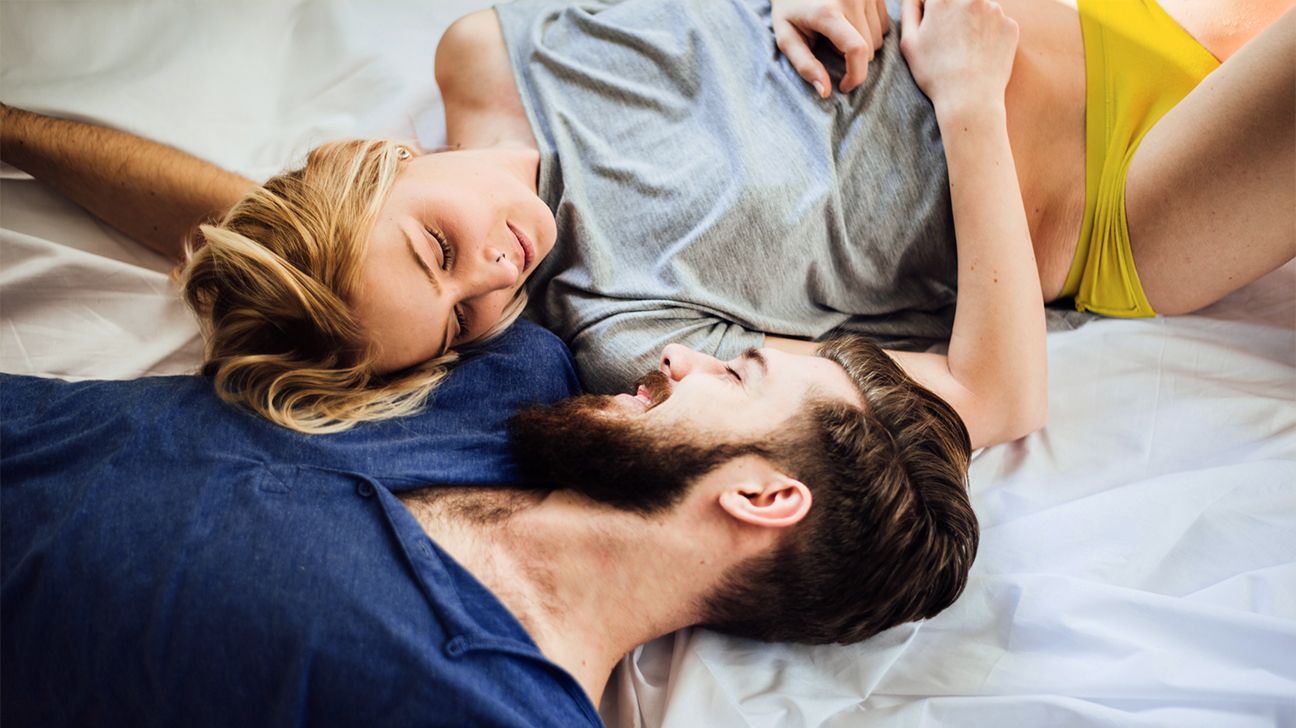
(959, 51)
(854, 27)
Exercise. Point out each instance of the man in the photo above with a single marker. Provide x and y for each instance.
(171, 559)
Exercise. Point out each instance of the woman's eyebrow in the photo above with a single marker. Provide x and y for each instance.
(427, 269)
(447, 337)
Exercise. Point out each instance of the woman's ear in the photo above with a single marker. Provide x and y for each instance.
(772, 500)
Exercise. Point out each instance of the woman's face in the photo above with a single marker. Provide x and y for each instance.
(457, 237)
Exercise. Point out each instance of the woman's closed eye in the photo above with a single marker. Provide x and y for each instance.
(447, 260)
(447, 253)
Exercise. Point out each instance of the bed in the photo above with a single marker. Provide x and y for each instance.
(1138, 555)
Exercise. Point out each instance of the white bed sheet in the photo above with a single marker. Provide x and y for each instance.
(1138, 556)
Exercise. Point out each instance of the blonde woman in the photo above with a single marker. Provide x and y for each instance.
(709, 192)
(307, 287)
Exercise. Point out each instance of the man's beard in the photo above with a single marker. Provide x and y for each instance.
(585, 444)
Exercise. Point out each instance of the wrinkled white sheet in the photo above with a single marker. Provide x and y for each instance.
(1138, 556)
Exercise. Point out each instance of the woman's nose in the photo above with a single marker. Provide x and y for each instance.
(678, 361)
(492, 271)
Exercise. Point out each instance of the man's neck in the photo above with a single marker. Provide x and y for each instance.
(588, 583)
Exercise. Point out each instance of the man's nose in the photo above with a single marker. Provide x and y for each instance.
(678, 361)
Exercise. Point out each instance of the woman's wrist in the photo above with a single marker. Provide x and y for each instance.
(964, 112)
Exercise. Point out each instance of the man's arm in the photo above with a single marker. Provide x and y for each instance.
(155, 194)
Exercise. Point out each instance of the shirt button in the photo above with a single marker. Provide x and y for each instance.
(365, 489)
(456, 647)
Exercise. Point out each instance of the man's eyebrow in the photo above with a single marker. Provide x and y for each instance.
(753, 355)
(427, 269)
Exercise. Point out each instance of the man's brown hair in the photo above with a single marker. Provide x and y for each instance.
(891, 535)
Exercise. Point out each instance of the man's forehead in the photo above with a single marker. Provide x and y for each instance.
(824, 378)
(832, 381)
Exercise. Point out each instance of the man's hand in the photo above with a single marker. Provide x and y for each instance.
(854, 27)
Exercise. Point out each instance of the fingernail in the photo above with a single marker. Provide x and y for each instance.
(819, 89)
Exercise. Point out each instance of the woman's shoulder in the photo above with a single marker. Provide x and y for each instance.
(472, 42)
(476, 81)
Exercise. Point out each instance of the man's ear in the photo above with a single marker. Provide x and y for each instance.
(771, 500)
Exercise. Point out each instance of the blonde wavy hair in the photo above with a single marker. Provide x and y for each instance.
(271, 285)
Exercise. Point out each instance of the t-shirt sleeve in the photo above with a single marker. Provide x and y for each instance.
(616, 351)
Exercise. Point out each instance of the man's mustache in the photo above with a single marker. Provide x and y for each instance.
(656, 385)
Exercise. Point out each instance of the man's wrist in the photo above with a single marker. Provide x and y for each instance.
(9, 123)
(15, 136)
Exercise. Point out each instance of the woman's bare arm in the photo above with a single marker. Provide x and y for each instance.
(155, 194)
(995, 374)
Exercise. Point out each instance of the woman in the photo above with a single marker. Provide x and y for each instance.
(994, 372)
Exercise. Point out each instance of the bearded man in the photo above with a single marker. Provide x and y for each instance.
(171, 559)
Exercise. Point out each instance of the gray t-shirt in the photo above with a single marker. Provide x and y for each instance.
(704, 195)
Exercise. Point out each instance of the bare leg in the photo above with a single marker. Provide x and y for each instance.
(1224, 26)
(1211, 191)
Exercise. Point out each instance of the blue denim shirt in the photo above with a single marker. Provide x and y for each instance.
(169, 559)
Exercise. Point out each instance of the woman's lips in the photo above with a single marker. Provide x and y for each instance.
(528, 248)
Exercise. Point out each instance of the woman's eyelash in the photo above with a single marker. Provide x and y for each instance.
(733, 373)
(447, 258)
(447, 253)
(463, 323)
